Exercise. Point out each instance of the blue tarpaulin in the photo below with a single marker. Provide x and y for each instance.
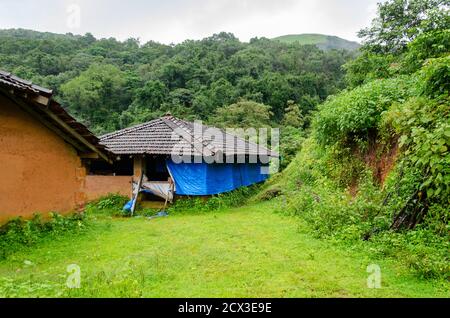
(128, 206)
(209, 179)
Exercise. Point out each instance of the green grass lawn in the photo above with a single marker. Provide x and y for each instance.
(244, 252)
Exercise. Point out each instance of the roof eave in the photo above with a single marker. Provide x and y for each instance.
(38, 102)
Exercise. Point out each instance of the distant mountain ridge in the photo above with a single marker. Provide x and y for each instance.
(324, 42)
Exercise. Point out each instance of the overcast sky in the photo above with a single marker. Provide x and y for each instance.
(172, 21)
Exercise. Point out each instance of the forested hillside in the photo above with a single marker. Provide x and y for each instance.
(110, 84)
(375, 169)
(324, 42)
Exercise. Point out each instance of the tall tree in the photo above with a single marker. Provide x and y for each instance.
(293, 115)
(401, 21)
(98, 96)
(243, 114)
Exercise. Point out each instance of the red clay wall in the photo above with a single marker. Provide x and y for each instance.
(99, 186)
(39, 172)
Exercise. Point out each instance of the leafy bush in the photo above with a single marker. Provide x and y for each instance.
(426, 46)
(352, 115)
(424, 127)
(113, 201)
(110, 205)
(330, 186)
(221, 201)
(20, 233)
(422, 251)
(368, 67)
(291, 139)
(435, 77)
(270, 193)
(364, 222)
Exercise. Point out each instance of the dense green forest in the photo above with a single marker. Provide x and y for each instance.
(375, 168)
(110, 84)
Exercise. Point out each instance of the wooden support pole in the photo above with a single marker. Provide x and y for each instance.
(136, 194)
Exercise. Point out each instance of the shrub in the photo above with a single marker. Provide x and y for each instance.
(350, 116)
(290, 144)
(428, 45)
(270, 193)
(20, 233)
(368, 67)
(422, 251)
(424, 130)
(113, 201)
(203, 205)
(435, 77)
(413, 110)
(111, 205)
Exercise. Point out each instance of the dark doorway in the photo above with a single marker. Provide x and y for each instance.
(156, 169)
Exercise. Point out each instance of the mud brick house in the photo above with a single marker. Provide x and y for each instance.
(42, 152)
(49, 162)
(170, 158)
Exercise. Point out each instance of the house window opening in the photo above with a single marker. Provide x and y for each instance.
(122, 167)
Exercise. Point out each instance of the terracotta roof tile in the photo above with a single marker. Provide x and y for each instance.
(169, 135)
(60, 119)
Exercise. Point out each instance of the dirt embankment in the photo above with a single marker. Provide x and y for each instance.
(380, 158)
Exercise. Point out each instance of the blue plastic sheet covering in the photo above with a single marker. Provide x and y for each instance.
(209, 179)
(128, 206)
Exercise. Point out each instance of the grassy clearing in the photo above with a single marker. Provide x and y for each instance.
(243, 252)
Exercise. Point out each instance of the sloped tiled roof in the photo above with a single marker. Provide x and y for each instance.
(11, 80)
(39, 102)
(169, 135)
